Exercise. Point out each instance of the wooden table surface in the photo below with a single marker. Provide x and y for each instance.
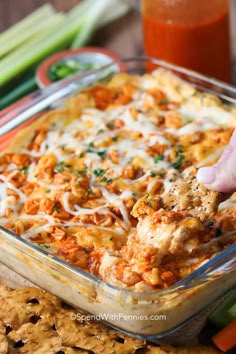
(124, 36)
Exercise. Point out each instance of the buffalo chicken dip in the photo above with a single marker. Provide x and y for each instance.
(107, 183)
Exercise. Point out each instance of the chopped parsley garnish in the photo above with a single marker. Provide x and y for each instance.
(111, 239)
(101, 153)
(60, 166)
(81, 155)
(90, 192)
(106, 180)
(25, 170)
(115, 138)
(56, 209)
(177, 164)
(164, 101)
(46, 246)
(48, 190)
(81, 173)
(149, 203)
(153, 173)
(90, 147)
(162, 174)
(158, 158)
(90, 150)
(86, 250)
(100, 131)
(99, 172)
(110, 124)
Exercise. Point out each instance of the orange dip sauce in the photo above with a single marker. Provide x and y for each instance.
(204, 47)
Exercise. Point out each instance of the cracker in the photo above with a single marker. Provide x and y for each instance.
(4, 290)
(27, 305)
(192, 197)
(3, 339)
(167, 349)
(59, 331)
(94, 336)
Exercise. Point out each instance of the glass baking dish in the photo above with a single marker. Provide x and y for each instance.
(149, 315)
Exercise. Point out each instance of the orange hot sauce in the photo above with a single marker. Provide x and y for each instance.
(203, 46)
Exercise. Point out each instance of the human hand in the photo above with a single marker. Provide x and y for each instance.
(221, 177)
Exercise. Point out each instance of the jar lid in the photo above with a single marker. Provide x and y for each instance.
(68, 62)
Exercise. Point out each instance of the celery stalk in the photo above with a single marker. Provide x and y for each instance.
(118, 9)
(221, 317)
(24, 29)
(57, 21)
(92, 20)
(60, 39)
(232, 312)
(101, 13)
(18, 92)
(80, 10)
(80, 22)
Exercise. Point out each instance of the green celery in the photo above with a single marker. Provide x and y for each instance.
(98, 14)
(115, 10)
(54, 24)
(80, 23)
(232, 311)
(18, 92)
(24, 29)
(58, 40)
(221, 317)
(80, 10)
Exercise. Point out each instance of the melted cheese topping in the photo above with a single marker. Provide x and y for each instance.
(77, 180)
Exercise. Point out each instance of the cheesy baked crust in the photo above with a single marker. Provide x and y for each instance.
(91, 183)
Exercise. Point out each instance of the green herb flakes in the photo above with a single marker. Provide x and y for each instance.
(99, 172)
(153, 173)
(56, 209)
(110, 124)
(60, 167)
(177, 164)
(106, 180)
(158, 158)
(101, 153)
(25, 170)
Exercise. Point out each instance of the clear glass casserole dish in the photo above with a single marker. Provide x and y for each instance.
(149, 315)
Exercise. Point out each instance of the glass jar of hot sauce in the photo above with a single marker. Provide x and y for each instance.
(190, 33)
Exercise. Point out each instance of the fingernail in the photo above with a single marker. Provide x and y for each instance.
(206, 175)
